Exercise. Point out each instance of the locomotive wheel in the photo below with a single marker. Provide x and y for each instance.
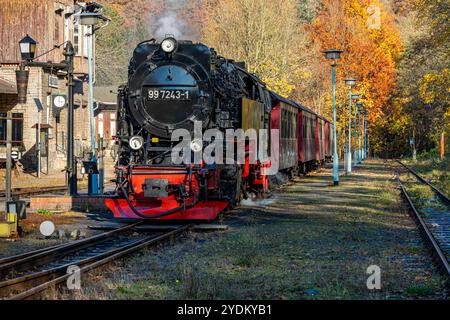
(231, 183)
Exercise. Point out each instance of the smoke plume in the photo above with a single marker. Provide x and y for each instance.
(169, 23)
(171, 19)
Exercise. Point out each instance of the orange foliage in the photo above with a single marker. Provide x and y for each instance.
(370, 54)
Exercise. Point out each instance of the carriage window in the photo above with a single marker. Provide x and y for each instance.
(304, 127)
(293, 125)
(290, 124)
(286, 124)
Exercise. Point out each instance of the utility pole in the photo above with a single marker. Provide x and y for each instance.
(334, 55)
(71, 165)
(355, 153)
(8, 154)
(101, 182)
(350, 82)
(38, 136)
(89, 17)
(335, 157)
(93, 177)
(349, 146)
(359, 137)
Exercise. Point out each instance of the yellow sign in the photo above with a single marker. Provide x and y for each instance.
(8, 229)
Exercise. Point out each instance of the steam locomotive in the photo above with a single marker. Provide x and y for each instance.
(180, 86)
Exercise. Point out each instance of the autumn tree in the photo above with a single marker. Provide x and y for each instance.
(424, 73)
(115, 43)
(266, 35)
(371, 50)
(111, 50)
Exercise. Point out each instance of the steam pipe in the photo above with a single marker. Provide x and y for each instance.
(162, 214)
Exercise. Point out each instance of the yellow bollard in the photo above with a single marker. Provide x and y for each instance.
(8, 228)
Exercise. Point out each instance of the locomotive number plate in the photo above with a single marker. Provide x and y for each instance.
(163, 94)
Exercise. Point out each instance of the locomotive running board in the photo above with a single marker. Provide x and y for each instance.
(204, 210)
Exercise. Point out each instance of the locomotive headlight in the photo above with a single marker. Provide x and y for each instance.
(169, 45)
(196, 145)
(136, 142)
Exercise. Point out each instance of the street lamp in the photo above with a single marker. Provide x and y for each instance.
(27, 51)
(355, 98)
(350, 82)
(27, 48)
(365, 133)
(334, 55)
(90, 17)
(359, 107)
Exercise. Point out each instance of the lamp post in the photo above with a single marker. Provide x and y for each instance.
(359, 106)
(27, 50)
(355, 98)
(364, 155)
(90, 17)
(334, 55)
(363, 133)
(350, 82)
(367, 139)
(359, 134)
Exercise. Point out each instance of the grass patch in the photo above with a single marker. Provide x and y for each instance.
(424, 197)
(122, 290)
(44, 212)
(414, 249)
(419, 290)
(386, 197)
(434, 170)
(250, 249)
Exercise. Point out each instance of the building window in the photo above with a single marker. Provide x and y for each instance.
(76, 38)
(66, 27)
(79, 37)
(57, 27)
(17, 128)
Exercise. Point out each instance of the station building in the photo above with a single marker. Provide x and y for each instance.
(50, 23)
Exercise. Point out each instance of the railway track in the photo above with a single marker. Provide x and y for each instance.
(440, 194)
(435, 226)
(33, 191)
(26, 192)
(26, 275)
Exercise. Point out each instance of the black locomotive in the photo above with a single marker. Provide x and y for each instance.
(171, 85)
